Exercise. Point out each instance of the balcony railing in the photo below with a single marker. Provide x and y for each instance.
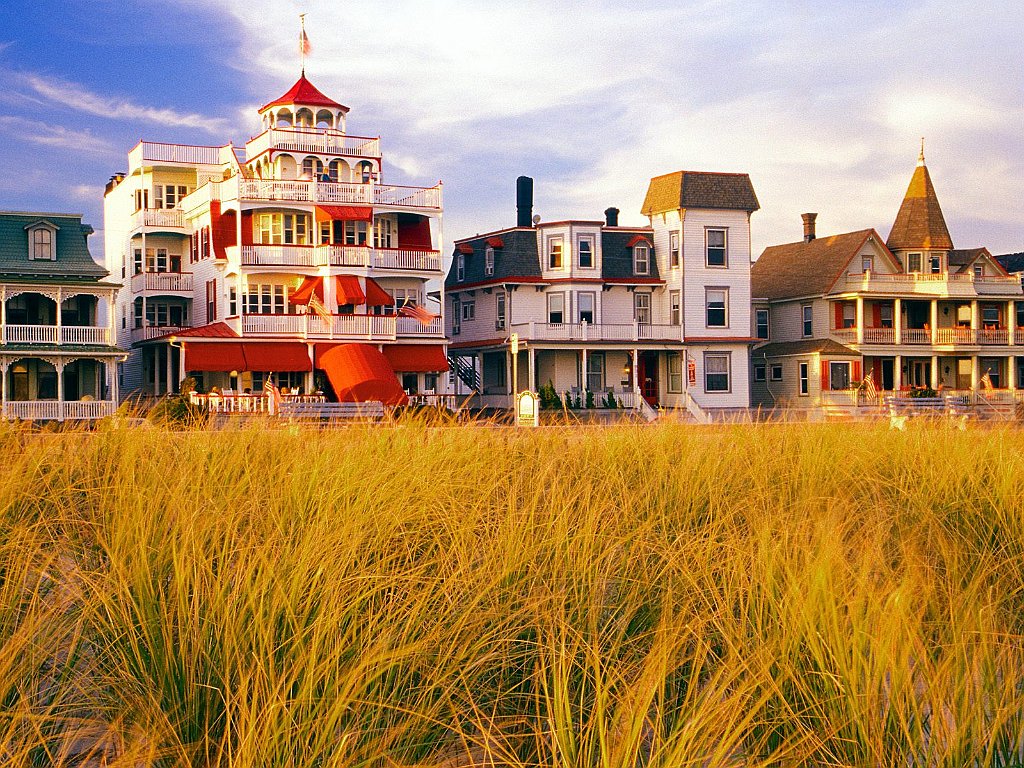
(52, 410)
(368, 327)
(956, 283)
(410, 326)
(265, 190)
(52, 334)
(597, 332)
(947, 336)
(279, 256)
(147, 332)
(340, 256)
(323, 141)
(172, 282)
(994, 336)
(172, 218)
(916, 336)
(185, 154)
(879, 335)
(942, 336)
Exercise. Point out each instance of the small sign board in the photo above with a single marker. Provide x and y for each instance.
(514, 339)
(527, 409)
(691, 371)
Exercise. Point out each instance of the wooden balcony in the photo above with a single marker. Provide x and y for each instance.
(340, 256)
(947, 284)
(162, 282)
(159, 218)
(313, 141)
(156, 153)
(53, 410)
(410, 326)
(943, 337)
(333, 193)
(583, 332)
(52, 334)
(341, 327)
(147, 332)
(279, 256)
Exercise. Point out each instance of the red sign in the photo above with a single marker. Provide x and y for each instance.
(691, 371)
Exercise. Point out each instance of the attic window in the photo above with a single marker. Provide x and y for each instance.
(489, 261)
(979, 270)
(41, 243)
(641, 259)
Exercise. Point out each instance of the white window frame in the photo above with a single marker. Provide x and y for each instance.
(556, 245)
(727, 356)
(589, 241)
(724, 247)
(675, 307)
(553, 298)
(911, 257)
(456, 316)
(499, 311)
(642, 308)
(592, 296)
(673, 249)
(806, 321)
(767, 324)
(708, 292)
(775, 372)
(867, 263)
(641, 259)
(42, 243)
(489, 260)
(595, 370)
(469, 310)
(460, 267)
(838, 364)
(935, 263)
(979, 270)
(804, 376)
(675, 373)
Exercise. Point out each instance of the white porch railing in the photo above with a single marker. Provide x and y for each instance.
(337, 193)
(403, 258)
(159, 217)
(879, 335)
(279, 256)
(597, 332)
(30, 334)
(994, 336)
(52, 410)
(149, 151)
(84, 334)
(916, 336)
(956, 336)
(371, 327)
(410, 326)
(343, 255)
(318, 140)
(154, 331)
(174, 282)
(954, 284)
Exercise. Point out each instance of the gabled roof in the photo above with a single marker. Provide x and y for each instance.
(802, 347)
(1012, 262)
(693, 189)
(806, 269)
(73, 258)
(305, 94)
(919, 223)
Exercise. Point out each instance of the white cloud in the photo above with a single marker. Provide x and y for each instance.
(54, 136)
(77, 97)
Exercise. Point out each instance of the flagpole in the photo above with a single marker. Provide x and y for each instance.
(302, 41)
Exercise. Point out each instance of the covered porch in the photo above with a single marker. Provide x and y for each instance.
(58, 387)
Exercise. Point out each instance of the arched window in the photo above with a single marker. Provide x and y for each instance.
(41, 245)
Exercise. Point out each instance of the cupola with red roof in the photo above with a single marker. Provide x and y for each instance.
(304, 106)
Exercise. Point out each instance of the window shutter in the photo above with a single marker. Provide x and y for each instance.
(824, 374)
(856, 370)
(839, 314)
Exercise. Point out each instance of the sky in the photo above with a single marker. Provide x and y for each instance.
(823, 103)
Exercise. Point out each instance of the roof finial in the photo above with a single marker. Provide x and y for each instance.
(920, 158)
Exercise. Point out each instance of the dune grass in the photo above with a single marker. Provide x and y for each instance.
(660, 596)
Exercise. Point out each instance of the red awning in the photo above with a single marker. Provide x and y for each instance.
(417, 358)
(347, 212)
(310, 285)
(277, 356)
(360, 373)
(464, 248)
(377, 296)
(495, 242)
(214, 356)
(348, 290)
(637, 240)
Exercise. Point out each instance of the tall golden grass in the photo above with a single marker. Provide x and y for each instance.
(659, 596)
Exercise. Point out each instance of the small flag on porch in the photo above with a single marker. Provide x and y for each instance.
(869, 386)
(422, 314)
(273, 395)
(318, 307)
(986, 382)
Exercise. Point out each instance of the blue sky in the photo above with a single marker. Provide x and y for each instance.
(823, 104)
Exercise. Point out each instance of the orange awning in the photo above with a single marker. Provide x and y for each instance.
(416, 358)
(214, 356)
(310, 285)
(348, 290)
(464, 248)
(377, 296)
(360, 373)
(276, 356)
(347, 212)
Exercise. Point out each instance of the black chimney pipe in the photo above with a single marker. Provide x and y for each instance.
(611, 217)
(524, 201)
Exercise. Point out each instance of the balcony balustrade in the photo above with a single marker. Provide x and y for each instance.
(147, 332)
(52, 334)
(953, 284)
(166, 218)
(597, 332)
(312, 140)
(942, 336)
(340, 256)
(53, 410)
(334, 193)
(162, 282)
(359, 327)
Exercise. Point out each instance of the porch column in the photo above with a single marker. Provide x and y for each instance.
(975, 373)
(3, 317)
(478, 365)
(60, 297)
(636, 384)
(583, 371)
(3, 387)
(112, 319)
(897, 319)
(860, 319)
(935, 372)
(60, 390)
(1011, 372)
(935, 320)
(112, 364)
(170, 372)
(1011, 323)
(897, 373)
(975, 316)
(508, 373)
(531, 353)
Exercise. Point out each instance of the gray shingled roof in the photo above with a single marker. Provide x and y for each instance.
(802, 347)
(804, 269)
(517, 258)
(74, 262)
(695, 189)
(617, 256)
(1012, 262)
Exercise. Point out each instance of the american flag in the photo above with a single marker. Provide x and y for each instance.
(869, 386)
(304, 46)
(273, 395)
(318, 307)
(420, 313)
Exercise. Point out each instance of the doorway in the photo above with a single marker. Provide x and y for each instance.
(647, 377)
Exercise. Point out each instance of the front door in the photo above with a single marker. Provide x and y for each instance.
(921, 373)
(647, 377)
(888, 369)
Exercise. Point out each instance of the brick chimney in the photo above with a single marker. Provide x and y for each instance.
(524, 201)
(808, 225)
(611, 217)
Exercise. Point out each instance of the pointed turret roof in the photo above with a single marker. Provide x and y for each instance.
(306, 94)
(919, 223)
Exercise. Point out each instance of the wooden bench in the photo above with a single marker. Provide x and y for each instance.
(327, 411)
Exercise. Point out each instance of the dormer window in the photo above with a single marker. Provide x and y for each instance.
(460, 267)
(489, 261)
(979, 270)
(641, 259)
(42, 241)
